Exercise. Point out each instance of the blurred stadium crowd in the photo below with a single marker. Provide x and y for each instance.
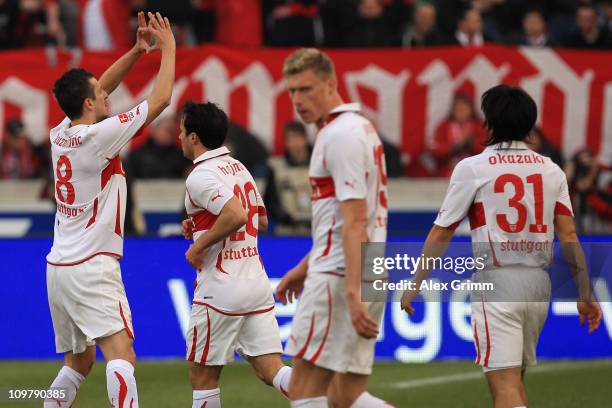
(331, 23)
(321, 23)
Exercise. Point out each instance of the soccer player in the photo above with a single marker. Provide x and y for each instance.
(511, 195)
(333, 333)
(233, 307)
(86, 294)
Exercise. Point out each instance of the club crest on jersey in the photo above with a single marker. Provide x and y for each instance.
(125, 117)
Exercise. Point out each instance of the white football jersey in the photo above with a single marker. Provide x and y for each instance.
(348, 162)
(90, 188)
(510, 195)
(232, 277)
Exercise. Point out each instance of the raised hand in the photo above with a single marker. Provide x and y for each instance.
(159, 27)
(143, 35)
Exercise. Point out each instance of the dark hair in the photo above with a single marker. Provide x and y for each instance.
(206, 120)
(510, 114)
(294, 126)
(534, 10)
(584, 5)
(464, 11)
(14, 126)
(72, 89)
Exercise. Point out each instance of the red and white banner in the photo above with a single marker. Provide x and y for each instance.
(406, 93)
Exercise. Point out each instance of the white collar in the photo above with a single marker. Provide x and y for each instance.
(209, 154)
(464, 40)
(346, 107)
(514, 145)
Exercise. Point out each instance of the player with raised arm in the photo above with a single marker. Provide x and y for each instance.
(333, 333)
(86, 294)
(233, 307)
(511, 196)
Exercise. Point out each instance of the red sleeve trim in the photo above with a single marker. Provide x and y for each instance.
(322, 187)
(476, 215)
(203, 220)
(261, 210)
(561, 209)
(454, 225)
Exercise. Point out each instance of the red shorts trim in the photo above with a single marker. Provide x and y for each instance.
(86, 259)
(195, 302)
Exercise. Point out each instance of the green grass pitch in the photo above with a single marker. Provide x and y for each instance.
(163, 384)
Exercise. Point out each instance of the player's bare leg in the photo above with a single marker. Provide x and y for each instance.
(120, 359)
(72, 374)
(309, 385)
(271, 370)
(507, 388)
(350, 391)
(205, 384)
(523, 391)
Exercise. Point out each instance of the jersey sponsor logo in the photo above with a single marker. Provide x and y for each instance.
(516, 159)
(69, 212)
(240, 253)
(125, 117)
(351, 184)
(217, 196)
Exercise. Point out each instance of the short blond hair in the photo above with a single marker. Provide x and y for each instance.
(309, 58)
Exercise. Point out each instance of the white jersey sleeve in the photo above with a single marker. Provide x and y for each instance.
(208, 191)
(563, 206)
(112, 134)
(459, 196)
(346, 161)
(261, 207)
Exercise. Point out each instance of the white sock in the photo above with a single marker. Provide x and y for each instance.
(522, 406)
(121, 384)
(367, 400)
(318, 402)
(281, 380)
(207, 398)
(68, 380)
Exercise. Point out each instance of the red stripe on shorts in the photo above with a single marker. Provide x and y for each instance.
(303, 350)
(125, 324)
(193, 344)
(329, 315)
(477, 343)
(488, 352)
(207, 345)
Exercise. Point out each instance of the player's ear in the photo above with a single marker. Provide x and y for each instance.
(332, 84)
(88, 104)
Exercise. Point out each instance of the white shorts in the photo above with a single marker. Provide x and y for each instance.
(322, 332)
(213, 335)
(87, 302)
(506, 333)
